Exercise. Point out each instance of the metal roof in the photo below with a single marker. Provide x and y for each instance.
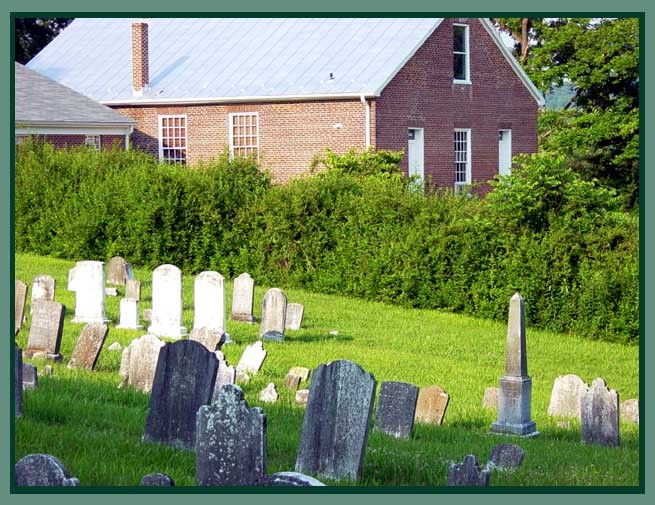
(42, 101)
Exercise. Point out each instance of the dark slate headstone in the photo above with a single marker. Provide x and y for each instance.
(505, 456)
(336, 423)
(468, 473)
(294, 479)
(88, 346)
(18, 381)
(30, 376)
(45, 330)
(184, 381)
(20, 297)
(230, 441)
(157, 479)
(396, 408)
(118, 271)
(599, 415)
(43, 470)
(133, 289)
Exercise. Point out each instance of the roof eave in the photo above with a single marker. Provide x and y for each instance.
(241, 99)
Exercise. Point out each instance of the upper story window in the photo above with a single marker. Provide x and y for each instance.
(244, 134)
(462, 157)
(92, 142)
(172, 138)
(461, 54)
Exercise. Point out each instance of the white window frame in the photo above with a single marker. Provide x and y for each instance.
(93, 142)
(467, 170)
(466, 53)
(162, 158)
(231, 117)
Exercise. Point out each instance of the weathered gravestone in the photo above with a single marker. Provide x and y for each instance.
(515, 391)
(42, 470)
(269, 394)
(118, 271)
(43, 288)
(565, 397)
(230, 442)
(431, 405)
(115, 347)
(468, 473)
(184, 381)
(20, 297)
(504, 456)
(226, 374)
(139, 362)
(490, 398)
(133, 289)
(242, 299)
(294, 479)
(599, 415)
(45, 330)
(87, 280)
(88, 346)
(30, 376)
(157, 479)
(396, 408)
(629, 410)
(252, 358)
(211, 338)
(302, 395)
(294, 316)
(18, 381)
(167, 302)
(129, 314)
(209, 302)
(291, 381)
(274, 311)
(295, 376)
(336, 423)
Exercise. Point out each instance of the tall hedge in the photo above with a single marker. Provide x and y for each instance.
(350, 229)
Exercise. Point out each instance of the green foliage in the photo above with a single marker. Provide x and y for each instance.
(369, 162)
(33, 34)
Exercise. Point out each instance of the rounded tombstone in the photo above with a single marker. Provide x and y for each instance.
(43, 470)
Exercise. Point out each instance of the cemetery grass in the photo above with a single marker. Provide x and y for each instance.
(95, 428)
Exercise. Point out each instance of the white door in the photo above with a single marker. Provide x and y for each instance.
(504, 152)
(415, 153)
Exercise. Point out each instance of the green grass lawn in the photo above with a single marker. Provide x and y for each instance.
(95, 428)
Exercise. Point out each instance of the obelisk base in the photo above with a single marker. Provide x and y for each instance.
(514, 397)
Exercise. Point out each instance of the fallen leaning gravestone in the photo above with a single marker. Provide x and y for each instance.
(599, 415)
(88, 346)
(242, 298)
(565, 396)
(139, 362)
(20, 298)
(252, 358)
(431, 405)
(293, 318)
(209, 302)
(506, 456)
(468, 473)
(45, 330)
(30, 376)
(157, 479)
(274, 312)
(42, 470)
(396, 409)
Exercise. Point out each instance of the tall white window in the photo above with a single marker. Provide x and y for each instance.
(244, 134)
(461, 54)
(172, 138)
(462, 157)
(92, 142)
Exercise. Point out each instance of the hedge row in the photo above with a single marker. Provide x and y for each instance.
(352, 230)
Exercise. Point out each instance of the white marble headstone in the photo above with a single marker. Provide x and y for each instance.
(87, 280)
(209, 301)
(167, 302)
(129, 314)
(242, 298)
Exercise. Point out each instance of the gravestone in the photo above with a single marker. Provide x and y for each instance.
(30, 376)
(88, 346)
(431, 405)
(133, 289)
(242, 299)
(18, 381)
(565, 397)
(599, 415)
(115, 347)
(295, 376)
(302, 395)
(294, 316)
(45, 330)
(118, 271)
(209, 302)
(490, 398)
(268, 394)
(157, 479)
(42, 470)
(291, 381)
(468, 473)
(20, 297)
(336, 423)
(111, 291)
(504, 456)
(231, 441)
(396, 408)
(515, 391)
(184, 381)
(139, 361)
(129, 314)
(274, 311)
(629, 411)
(211, 338)
(87, 280)
(294, 479)
(252, 358)
(147, 315)
(226, 374)
(43, 288)
(167, 302)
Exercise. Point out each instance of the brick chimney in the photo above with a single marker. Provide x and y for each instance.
(140, 73)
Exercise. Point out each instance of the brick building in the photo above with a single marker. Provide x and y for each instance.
(446, 91)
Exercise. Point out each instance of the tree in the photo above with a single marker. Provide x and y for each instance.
(33, 34)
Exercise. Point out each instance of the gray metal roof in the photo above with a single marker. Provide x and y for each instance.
(42, 101)
(234, 57)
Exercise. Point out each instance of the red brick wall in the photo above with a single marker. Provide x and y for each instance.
(423, 95)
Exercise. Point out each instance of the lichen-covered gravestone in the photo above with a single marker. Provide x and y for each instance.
(336, 423)
(211, 338)
(294, 315)
(45, 330)
(87, 280)
(139, 361)
(157, 479)
(30, 376)
(396, 408)
(274, 312)
(230, 442)
(20, 297)
(167, 302)
(133, 289)
(565, 397)
(468, 473)
(252, 358)
(506, 456)
(184, 381)
(18, 381)
(209, 301)
(88, 346)
(431, 405)
(118, 271)
(599, 415)
(242, 298)
(42, 470)
(43, 288)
